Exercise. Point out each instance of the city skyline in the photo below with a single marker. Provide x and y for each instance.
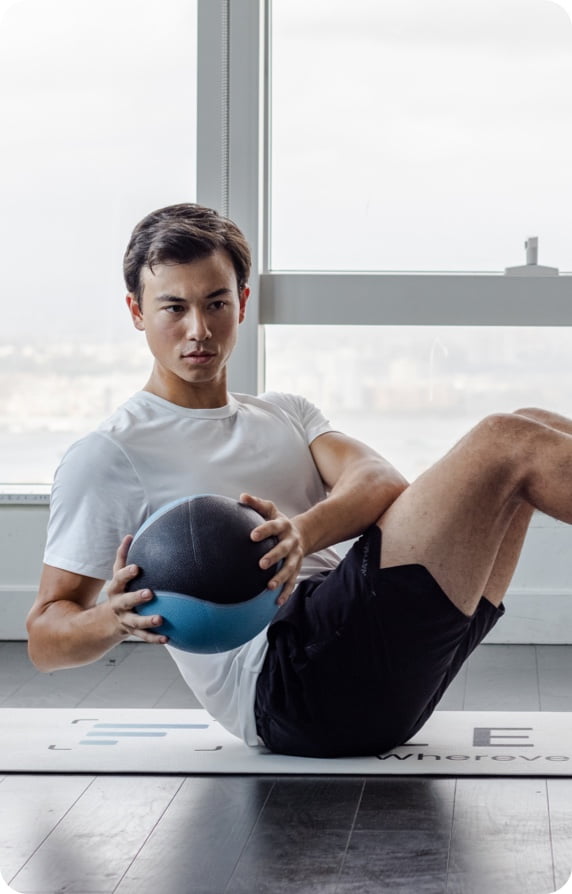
(379, 384)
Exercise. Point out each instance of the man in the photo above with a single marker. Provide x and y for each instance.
(361, 650)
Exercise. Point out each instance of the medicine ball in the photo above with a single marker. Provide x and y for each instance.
(197, 557)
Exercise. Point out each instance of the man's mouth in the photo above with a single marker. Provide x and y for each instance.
(198, 356)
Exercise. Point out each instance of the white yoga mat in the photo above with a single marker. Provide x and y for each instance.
(159, 741)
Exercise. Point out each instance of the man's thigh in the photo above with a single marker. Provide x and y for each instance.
(453, 519)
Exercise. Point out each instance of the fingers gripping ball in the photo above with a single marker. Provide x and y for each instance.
(197, 557)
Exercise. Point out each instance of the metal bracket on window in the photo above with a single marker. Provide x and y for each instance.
(532, 267)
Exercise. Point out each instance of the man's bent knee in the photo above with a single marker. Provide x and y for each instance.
(507, 442)
(534, 413)
(497, 428)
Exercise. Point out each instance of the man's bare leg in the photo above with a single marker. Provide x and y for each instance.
(465, 518)
(508, 555)
(511, 547)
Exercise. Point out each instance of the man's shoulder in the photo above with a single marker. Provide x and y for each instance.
(297, 407)
(140, 416)
(109, 434)
(275, 400)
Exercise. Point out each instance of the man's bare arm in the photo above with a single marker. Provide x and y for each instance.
(67, 627)
(361, 485)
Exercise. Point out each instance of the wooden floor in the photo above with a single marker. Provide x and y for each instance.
(176, 835)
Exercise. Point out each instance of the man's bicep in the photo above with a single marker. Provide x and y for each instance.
(57, 585)
(334, 452)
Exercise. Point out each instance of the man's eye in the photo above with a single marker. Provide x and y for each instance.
(217, 305)
(174, 308)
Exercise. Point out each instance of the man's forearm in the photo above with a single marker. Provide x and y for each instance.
(64, 635)
(359, 498)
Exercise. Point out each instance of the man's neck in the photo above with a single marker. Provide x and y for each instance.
(201, 396)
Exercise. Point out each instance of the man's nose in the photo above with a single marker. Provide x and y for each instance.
(197, 326)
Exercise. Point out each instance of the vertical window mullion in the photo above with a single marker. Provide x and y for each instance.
(229, 155)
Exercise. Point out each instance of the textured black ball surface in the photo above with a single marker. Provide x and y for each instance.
(201, 547)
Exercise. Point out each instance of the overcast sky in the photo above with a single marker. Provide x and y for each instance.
(407, 134)
(421, 135)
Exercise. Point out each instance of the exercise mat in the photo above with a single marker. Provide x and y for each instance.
(166, 742)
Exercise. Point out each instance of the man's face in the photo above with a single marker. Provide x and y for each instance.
(190, 314)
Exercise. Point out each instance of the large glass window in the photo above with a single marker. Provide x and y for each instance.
(412, 391)
(98, 111)
(420, 135)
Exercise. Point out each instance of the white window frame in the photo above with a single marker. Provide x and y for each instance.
(230, 157)
(233, 172)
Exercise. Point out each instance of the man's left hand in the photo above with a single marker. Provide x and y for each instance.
(289, 548)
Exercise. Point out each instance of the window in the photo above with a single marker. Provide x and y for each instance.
(98, 108)
(427, 135)
(412, 391)
(419, 137)
(414, 147)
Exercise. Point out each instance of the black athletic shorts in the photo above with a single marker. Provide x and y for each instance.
(359, 657)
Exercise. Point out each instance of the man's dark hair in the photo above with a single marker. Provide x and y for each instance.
(178, 234)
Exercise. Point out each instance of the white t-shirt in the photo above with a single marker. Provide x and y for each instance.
(150, 452)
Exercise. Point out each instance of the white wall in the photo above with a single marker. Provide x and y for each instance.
(539, 601)
(22, 538)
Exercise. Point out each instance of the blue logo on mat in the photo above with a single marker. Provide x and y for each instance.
(106, 733)
(109, 733)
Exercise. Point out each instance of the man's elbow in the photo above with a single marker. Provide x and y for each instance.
(35, 655)
(400, 486)
(384, 476)
(37, 652)
(37, 661)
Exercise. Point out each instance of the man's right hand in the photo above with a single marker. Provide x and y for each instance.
(123, 603)
(68, 625)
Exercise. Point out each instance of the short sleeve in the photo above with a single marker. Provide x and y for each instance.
(96, 500)
(310, 417)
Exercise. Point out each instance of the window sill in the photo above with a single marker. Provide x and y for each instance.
(24, 494)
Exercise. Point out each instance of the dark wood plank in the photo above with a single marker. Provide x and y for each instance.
(30, 808)
(299, 841)
(406, 802)
(400, 841)
(501, 838)
(560, 805)
(313, 802)
(290, 860)
(93, 845)
(200, 838)
(397, 861)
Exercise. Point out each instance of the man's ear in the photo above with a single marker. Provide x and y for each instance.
(135, 311)
(243, 298)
